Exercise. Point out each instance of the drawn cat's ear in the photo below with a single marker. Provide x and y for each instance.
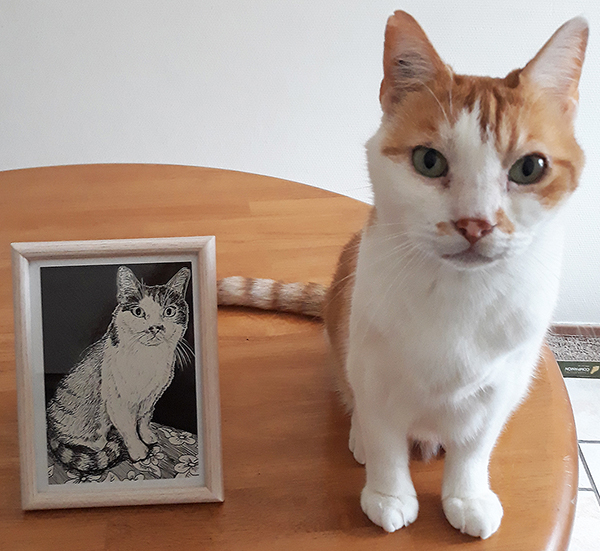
(179, 281)
(557, 66)
(127, 285)
(409, 60)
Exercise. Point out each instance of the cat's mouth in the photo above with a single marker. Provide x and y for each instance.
(469, 258)
(152, 340)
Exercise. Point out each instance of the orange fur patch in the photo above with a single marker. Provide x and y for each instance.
(445, 228)
(503, 222)
(336, 312)
(561, 181)
(372, 218)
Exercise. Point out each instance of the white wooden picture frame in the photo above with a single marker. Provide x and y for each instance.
(116, 352)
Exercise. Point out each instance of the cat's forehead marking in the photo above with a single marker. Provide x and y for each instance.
(149, 305)
(497, 103)
(474, 160)
(465, 137)
(161, 294)
(489, 107)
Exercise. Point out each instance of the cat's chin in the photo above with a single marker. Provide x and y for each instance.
(470, 260)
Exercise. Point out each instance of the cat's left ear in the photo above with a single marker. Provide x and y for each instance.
(557, 66)
(180, 281)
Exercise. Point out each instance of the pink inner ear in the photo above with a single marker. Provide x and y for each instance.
(557, 66)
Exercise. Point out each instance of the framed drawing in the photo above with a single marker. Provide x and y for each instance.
(117, 372)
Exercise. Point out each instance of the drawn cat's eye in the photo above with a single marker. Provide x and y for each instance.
(528, 169)
(138, 312)
(169, 311)
(429, 162)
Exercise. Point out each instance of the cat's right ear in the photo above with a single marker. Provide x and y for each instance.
(127, 285)
(179, 281)
(556, 68)
(409, 60)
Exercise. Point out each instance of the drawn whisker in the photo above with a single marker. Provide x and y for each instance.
(184, 353)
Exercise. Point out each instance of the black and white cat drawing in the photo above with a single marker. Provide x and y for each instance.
(101, 411)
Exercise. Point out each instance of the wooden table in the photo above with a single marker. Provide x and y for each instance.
(290, 481)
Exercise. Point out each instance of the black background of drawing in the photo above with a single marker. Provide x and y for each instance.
(77, 306)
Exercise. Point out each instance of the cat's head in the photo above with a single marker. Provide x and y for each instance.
(471, 168)
(151, 315)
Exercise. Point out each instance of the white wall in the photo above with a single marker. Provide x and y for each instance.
(288, 89)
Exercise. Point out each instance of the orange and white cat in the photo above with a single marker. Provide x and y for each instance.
(439, 307)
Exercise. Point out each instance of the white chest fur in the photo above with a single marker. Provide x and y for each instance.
(138, 373)
(428, 342)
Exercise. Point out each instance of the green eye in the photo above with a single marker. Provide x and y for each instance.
(429, 162)
(137, 312)
(528, 169)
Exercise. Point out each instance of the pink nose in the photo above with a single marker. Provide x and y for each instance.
(473, 229)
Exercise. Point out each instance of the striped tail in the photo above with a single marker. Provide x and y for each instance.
(86, 460)
(298, 298)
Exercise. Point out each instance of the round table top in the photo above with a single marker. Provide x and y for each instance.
(290, 481)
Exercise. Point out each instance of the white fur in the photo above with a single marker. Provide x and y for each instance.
(290, 293)
(261, 293)
(440, 350)
(234, 287)
(136, 373)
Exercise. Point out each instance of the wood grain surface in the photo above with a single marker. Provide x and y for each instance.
(290, 481)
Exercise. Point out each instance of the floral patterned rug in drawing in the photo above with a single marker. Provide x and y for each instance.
(175, 455)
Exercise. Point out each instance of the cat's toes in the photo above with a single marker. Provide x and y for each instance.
(356, 446)
(138, 452)
(389, 512)
(477, 516)
(148, 436)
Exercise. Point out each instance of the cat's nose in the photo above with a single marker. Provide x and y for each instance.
(155, 329)
(473, 229)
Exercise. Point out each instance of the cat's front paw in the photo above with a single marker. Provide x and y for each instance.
(137, 451)
(477, 516)
(389, 512)
(148, 435)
